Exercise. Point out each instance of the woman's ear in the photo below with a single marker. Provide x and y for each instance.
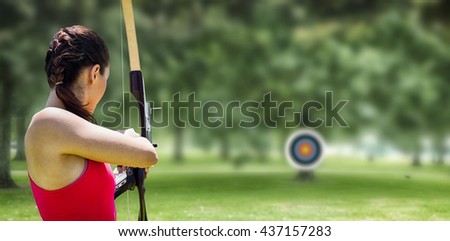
(94, 73)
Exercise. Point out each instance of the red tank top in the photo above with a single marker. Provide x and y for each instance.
(89, 198)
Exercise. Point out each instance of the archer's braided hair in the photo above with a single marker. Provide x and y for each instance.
(71, 49)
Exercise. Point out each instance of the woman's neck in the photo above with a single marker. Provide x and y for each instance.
(53, 100)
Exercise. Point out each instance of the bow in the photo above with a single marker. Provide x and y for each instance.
(135, 176)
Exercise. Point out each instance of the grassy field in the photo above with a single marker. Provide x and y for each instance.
(213, 190)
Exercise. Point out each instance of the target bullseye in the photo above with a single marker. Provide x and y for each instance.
(304, 149)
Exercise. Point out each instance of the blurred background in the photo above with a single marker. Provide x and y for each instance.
(389, 59)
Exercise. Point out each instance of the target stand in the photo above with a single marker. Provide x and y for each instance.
(304, 151)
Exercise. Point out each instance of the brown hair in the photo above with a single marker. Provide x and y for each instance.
(71, 49)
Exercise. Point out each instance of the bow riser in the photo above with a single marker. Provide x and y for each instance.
(137, 88)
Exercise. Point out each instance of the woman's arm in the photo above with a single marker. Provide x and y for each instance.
(72, 135)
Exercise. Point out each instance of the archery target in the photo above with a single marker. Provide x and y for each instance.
(304, 149)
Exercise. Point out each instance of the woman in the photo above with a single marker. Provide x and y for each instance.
(68, 155)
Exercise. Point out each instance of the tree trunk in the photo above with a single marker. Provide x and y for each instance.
(178, 151)
(5, 130)
(416, 159)
(440, 150)
(225, 147)
(21, 129)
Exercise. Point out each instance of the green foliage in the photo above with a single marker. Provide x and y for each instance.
(389, 59)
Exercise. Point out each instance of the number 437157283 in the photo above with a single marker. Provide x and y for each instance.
(281, 230)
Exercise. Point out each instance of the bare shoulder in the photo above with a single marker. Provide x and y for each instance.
(50, 124)
(51, 116)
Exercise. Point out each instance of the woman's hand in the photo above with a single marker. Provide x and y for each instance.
(119, 169)
(131, 132)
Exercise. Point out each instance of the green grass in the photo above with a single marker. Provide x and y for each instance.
(208, 189)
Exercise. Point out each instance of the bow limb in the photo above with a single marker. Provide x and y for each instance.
(137, 88)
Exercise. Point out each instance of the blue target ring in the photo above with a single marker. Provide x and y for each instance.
(305, 142)
(304, 149)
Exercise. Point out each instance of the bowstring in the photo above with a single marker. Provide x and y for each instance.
(122, 74)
